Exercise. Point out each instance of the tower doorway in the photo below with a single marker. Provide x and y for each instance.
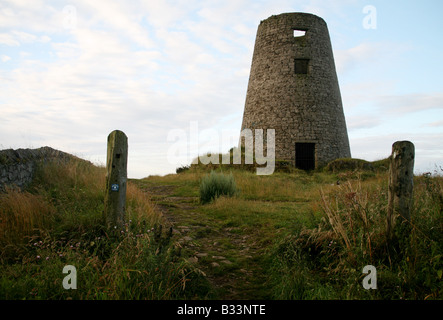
(305, 155)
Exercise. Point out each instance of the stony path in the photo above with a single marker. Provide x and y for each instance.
(229, 259)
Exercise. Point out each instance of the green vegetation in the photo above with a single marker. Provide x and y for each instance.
(59, 221)
(347, 164)
(215, 185)
(316, 231)
(326, 262)
(289, 235)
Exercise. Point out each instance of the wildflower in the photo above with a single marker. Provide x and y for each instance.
(47, 258)
(38, 257)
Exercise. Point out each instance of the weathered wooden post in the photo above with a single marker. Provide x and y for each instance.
(401, 174)
(116, 176)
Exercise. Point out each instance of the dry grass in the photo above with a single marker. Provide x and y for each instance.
(22, 214)
(352, 233)
(356, 212)
(75, 174)
(139, 206)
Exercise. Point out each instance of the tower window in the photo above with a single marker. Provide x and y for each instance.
(299, 33)
(305, 156)
(301, 66)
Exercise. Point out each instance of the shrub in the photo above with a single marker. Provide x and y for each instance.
(381, 165)
(182, 168)
(348, 164)
(215, 185)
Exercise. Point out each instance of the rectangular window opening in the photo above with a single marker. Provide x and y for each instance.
(299, 33)
(301, 66)
(305, 156)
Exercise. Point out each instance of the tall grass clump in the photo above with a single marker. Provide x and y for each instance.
(217, 184)
(75, 187)
(22, 215)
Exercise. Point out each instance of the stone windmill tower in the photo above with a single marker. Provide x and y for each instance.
(293, 88)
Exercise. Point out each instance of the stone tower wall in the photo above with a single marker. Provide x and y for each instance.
(300, 107)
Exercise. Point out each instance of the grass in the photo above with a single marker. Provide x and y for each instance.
(326, 262)
(318, 230)
(59, 221)
(290, 235)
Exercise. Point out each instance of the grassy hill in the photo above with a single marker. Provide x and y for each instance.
(290, 235)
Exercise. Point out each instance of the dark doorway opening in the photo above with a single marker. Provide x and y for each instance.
(305, 156)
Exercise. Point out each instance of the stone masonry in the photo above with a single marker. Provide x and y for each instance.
(17, 167)
(293, 88)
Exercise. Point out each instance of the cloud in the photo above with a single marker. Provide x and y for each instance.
(8, 39)
(122, 19)
(102, 79)
(38, 16)
(428, 148)
(362, 122)
(149, 67)
(371, 59)
(360, 55)
(5, 58)
(16, 38)
(435, 124)
(413, 102)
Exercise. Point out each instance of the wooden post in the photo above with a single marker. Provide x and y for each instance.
(401, 173)
(116, 166)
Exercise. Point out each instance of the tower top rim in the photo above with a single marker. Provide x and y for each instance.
(289, 15)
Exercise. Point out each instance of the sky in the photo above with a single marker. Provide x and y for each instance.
(165, 72)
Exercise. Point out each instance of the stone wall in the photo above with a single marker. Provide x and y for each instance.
(293, 88)
(17, 167)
